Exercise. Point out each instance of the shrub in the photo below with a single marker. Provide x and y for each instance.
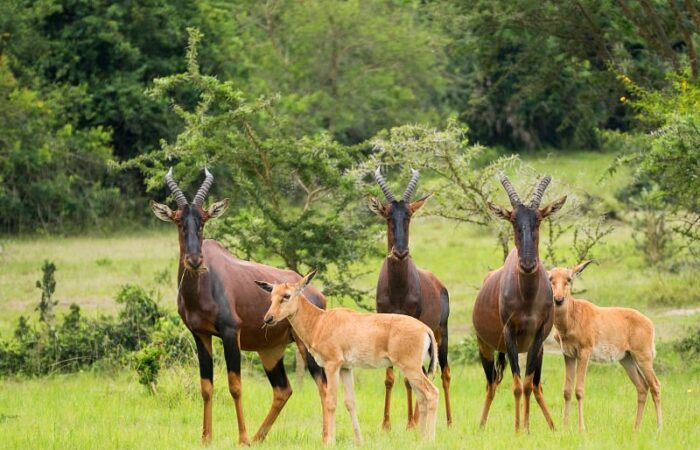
(148, 362)
(689, 346)
(465, 352)
(79, 342)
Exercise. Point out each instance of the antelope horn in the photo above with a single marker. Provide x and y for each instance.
(382, 184)
(204, 189)
(411, 185)
(177, 192)
(510, 190)
(539, 191)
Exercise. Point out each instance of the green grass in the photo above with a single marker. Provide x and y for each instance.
(112, 411)
(109, 409)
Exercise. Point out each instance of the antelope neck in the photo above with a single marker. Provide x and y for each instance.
(305, 319)
(528, 283)
(562, 315)
(188, 284)
(399, 272)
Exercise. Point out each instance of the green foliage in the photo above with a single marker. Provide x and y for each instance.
(465, 351)
(293, 202)
(666, 161)
(138, 317)
(80, 342)
(48, 286)
(689, 346)
(530, 73)
(463, 179)
(350, 68)
(51, 173)
(147, 362)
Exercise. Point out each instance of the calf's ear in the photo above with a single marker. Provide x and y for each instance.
(579, 268)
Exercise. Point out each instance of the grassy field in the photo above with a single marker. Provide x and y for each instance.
(109, 409)
(113, 411)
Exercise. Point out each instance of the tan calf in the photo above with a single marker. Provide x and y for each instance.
(588, 332)
(340, 339)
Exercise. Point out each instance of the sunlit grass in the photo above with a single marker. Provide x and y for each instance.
(110, 410)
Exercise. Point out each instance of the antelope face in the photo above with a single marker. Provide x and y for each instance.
(190, 219)
(526, 220)
(561, 284)
(398, 219)
(562, 278)
(284, 298)
(397, 214)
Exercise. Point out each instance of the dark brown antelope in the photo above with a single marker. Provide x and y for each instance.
(403, 288)
(341, 339)
(513, 312)
(217, 297)
(588, 332)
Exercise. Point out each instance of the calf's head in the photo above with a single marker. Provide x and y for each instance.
(284, 298)
(190, 218)
(561, 279)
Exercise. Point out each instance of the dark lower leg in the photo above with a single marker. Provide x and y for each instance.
(233, 364)
(537, 389)
(319, 376)
(488, 365)
(512, 353)
(206, 374)
(281, 391)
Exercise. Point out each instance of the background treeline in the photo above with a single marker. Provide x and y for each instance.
(517, 74)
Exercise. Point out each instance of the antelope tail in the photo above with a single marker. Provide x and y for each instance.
(432, 351)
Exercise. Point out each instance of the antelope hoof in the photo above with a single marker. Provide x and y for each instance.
(386, 426)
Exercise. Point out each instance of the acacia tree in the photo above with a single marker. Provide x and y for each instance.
(463, 177)
(292, 204)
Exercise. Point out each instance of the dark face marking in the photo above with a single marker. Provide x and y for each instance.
(191, 225)
(526, 227)
(398, 219)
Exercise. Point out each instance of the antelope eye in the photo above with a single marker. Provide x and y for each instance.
(285, 297)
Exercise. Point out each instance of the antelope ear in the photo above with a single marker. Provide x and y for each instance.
(499, 211)
(217, 209)
(376, 206)
(162, 211)
(264, 285)
(553, 207)
(418, 204)
(579, 268)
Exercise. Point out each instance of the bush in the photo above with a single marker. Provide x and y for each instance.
(465, 352)
(689, 346)
(148, 362)
(79, 342)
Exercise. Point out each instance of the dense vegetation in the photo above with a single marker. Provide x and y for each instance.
(519, 74)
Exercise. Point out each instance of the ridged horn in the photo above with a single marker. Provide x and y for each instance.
(539, 191)
(382, 184)
(510, 190)
(411, 185)
(177, 192)
(204, 189)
